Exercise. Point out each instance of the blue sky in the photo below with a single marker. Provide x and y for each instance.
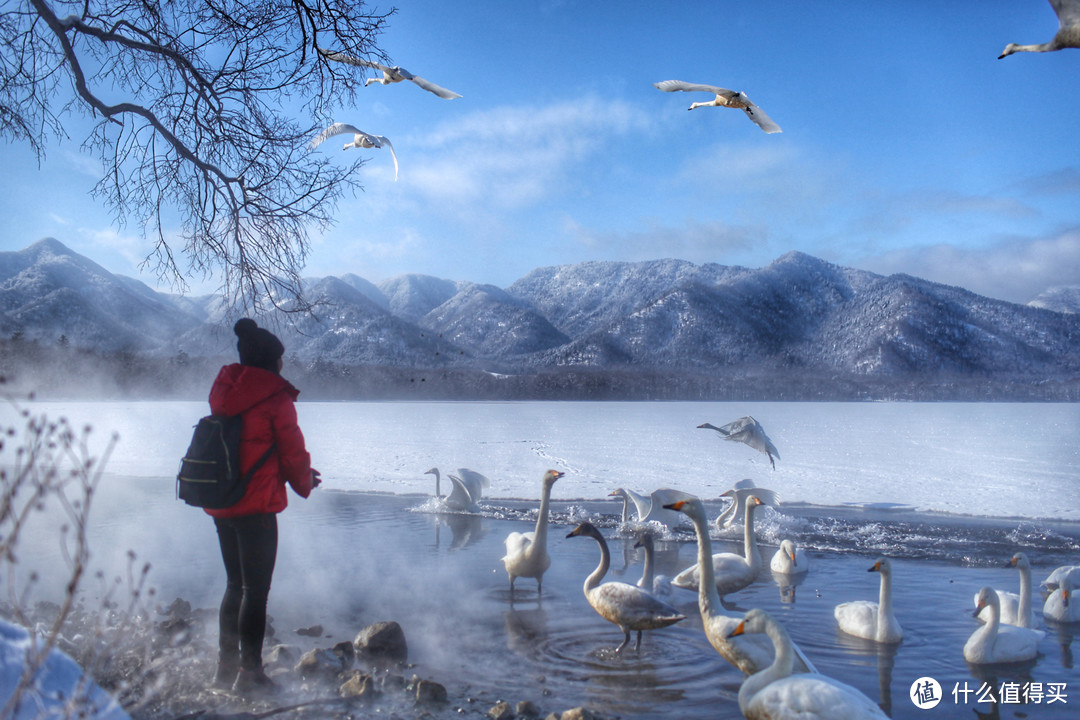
(907, 146)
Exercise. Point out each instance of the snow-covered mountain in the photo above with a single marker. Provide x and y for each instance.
(1062, 298)
(798, 316)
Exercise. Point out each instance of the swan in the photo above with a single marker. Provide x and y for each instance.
(629, 607)
(747, 430)
(736, 509)
(650, 508)
(724, 98)
(789, 560)
(1053, 580)
(775, 694)
(658, 585)
(996, 643)
(749, 653)
(526, 553)
(1061, 606)
(1067, 35)
(732, 572)
(870, 620)
(360, 139)
(390, 75)
(1015, 609)
(465, 494)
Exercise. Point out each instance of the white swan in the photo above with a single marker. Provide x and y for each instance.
(1053, 580)
(747, 430)
(789, 560)
(1015, 609)
(650, 508)
(749, 653)
(390, 75)
(466, 492)
(658, 585)
(870, 620)
(775, 694)
(724, 98)
(1067, 35)
(736, 509)
(996, 643)
(629, 607)
(360, 139)
(526, 553)
(1062, 606)
(732, 571)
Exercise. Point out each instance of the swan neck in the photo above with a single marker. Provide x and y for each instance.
(782, 665)
(648, 572)
(708, 595)
(625, 506)
(601, 570)
(885, 609)
(540, 536)
(1024, 606)
(750, 547)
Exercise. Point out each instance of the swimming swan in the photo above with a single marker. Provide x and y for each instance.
(996, 643)
(360, 139)
(390, 75)
(747, 430)
(775, 694)
(732, 571)
(736, 509)
(1015, 609)
(466, 492)
(658, 585)
(629, 607)
(1067, 35)
(526, 553)
(789, 560)
(870, 620)
(1061, 606)
(724, 98)
(750, 653)
(1053, 580)
(650, 508)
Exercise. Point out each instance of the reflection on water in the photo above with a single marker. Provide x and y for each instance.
(349, 559)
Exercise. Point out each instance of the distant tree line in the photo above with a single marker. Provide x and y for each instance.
(63, 371)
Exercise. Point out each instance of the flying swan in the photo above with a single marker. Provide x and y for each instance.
(747, 430)
(360, 139)
(1067, 36)
(393, 74)
(526, 553)
(775, 694)
(996, 643)
(750, 653)
(628, 606)
(1015, 609)
(870, 620)
(724, 98)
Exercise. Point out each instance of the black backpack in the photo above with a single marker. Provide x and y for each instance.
(209, 474)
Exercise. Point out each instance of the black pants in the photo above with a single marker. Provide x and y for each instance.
(249, 549)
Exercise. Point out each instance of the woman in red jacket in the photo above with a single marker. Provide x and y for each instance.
(247, 531)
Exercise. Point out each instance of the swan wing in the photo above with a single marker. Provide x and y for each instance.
(474, 481)
(679, 85)
(858, 618)
(631, 607)
(335, 129)
(811, 697)
(1068, 12)
(459, 497)
(350, 60)
(431, 87)
(517, 544)
(766, 123)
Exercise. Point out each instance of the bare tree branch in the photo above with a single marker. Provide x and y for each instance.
(195, 103)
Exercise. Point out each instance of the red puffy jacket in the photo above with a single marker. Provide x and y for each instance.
(266, 402)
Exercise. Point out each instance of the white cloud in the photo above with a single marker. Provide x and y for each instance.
(1016, 269)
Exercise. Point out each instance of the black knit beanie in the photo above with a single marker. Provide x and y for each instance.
(258, 347)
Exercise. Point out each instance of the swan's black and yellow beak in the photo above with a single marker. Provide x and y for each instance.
(875, 568)
(579, 530)
(978, 608)
(675, 505)
(739, 629)
(1065, 597)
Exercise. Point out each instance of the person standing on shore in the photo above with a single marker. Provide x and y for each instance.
(247, 531)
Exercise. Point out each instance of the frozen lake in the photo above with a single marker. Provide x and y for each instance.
(948, 491)
(982, 459)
